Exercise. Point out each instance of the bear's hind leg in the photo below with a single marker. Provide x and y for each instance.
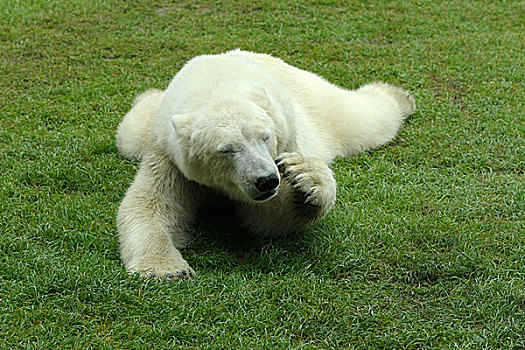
(372, 116)
(405, 102)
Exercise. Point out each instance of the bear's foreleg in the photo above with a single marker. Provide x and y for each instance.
(153, 217)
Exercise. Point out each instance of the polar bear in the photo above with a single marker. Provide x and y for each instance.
(250, 127)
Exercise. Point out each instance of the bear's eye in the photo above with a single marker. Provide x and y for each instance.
(227, 149)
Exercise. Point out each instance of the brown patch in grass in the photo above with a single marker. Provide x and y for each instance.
(448, 87)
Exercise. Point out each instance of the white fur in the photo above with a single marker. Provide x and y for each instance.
(248, 126)
(134, 131)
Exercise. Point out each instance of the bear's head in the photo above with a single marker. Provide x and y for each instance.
(230, 145)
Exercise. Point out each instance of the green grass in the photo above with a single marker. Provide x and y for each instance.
(425, 248)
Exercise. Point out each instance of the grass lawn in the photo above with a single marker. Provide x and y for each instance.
(425, 248)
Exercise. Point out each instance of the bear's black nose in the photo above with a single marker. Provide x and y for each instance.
(267, 183)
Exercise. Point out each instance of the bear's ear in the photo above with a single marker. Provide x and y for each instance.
(180, 121)
(260, 96)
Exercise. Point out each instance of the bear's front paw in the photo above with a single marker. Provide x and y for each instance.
(311, 180)
(170, 271)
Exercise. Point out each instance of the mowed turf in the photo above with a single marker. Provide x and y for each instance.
(425, 248)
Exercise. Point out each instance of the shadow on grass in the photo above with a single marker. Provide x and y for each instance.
(220, 244)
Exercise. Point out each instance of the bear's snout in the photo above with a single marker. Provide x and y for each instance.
(268, 186)
(267, 183)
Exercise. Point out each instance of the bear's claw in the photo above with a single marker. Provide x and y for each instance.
(309, 193)
(184, 274)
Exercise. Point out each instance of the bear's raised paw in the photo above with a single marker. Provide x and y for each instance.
(311, 181)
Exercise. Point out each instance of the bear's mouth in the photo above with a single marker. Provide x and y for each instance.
(266, 195)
